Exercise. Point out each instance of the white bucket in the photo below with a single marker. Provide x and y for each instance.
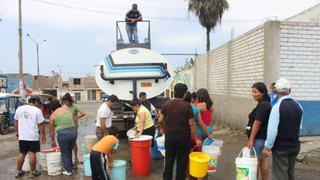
(246, 167)
(43, 157)
(214, 153)
(26, 164)
(54, 164)
(131, 133)
(213, 148)
(160, 143)
(90, 140)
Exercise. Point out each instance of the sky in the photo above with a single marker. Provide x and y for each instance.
(80, 33)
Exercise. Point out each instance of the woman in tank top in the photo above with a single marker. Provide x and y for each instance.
(61, 121)
(205, 104)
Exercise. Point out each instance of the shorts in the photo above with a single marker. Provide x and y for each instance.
(258, 145)
(26, 146)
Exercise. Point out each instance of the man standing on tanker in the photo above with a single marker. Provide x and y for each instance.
(132, 17)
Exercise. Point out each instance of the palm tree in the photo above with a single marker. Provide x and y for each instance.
(209, 13)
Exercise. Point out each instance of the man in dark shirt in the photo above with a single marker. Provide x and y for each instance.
(177, 117)
(146, 103)
(132, 17)
(284, 126)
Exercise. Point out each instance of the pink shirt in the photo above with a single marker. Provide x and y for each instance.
(206, 117)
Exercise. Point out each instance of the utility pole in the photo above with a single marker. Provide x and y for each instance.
(38, 60)
(21, 83)
(60, 81)
(37, 46)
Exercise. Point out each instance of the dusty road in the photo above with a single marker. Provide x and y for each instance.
(233, 142)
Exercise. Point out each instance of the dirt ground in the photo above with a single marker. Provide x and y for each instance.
(233, 142)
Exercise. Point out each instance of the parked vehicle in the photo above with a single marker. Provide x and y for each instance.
(8, 105)
(123, 117)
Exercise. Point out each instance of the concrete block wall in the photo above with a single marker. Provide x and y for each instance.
(273, 50)
(300, 64)
(218, 71)
(246, 61)
(228, 73)
(201, 75)
(300, 58)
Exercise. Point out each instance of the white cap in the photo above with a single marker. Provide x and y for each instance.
(282, 84)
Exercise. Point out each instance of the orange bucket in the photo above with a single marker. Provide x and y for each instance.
(141, 155)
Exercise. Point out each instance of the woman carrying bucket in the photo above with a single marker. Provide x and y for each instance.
(143, 123)
(77, 114)
(257, 125)
(200, 126)
(61, 121)
(205, 104)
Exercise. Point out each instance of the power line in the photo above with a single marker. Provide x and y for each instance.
(89, 3)
(121, 14)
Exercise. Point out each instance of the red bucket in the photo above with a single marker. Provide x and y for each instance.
(141, 155)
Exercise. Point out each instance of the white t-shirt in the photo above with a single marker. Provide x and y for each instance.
(28, 118)
(104, 111)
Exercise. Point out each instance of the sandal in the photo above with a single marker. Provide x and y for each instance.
(19, 174)
(34, 174)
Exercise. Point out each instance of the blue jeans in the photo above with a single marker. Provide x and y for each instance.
(258, 145)
(67, 139)
(132, 32)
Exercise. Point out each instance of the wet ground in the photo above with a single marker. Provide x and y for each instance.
(233, 142)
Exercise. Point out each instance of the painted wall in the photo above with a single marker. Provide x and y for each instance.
(13, 82)
(311, 117)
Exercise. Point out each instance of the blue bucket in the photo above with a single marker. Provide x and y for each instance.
(86, 165)
(118, 172)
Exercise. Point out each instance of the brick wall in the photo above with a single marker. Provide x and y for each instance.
(218, 71)
(233, 67)
(246, 61)
(201, 72)
(276, 49)
(300, 58)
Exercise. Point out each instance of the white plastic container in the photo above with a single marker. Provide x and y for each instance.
(160, 143)
(90, 140)
(54, 164)
(43, 157)
(246, 164)
(213, 148)
(131, 133)
(26, 164)
(214, 152)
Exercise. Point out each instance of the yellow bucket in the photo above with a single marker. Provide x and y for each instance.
(198, 164)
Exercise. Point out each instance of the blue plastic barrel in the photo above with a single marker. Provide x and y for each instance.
(86, 165)
(118, 171)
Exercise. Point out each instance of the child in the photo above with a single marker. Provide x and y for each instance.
(273, 94)
(105, 148)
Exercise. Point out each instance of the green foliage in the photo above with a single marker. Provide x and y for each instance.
(209, 13)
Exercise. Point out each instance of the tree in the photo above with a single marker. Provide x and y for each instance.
(209, 13)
